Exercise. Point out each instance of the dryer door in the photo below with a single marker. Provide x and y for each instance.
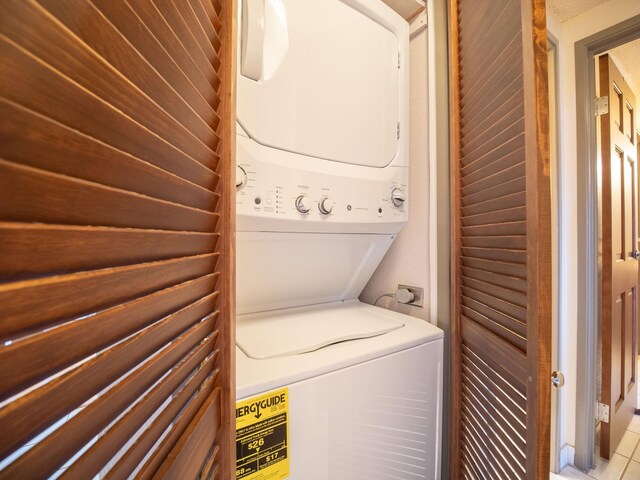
(322, 78)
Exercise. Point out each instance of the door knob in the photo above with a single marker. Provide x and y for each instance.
(557, 379)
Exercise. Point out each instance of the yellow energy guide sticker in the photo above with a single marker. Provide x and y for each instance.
(262, 437)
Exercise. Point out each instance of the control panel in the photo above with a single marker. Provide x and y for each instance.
(269, 193)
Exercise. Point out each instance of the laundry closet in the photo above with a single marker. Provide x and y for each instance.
(328, 386)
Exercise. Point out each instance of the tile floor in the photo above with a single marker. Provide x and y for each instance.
(625, 463)
(619, 467)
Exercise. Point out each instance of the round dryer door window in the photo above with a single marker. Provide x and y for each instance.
(321, 78)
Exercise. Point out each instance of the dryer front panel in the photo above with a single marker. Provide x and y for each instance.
(323, 79)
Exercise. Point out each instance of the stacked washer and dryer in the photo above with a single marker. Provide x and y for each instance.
(322, 177)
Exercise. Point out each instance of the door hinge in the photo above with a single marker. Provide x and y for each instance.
(398, 130)
(601, 106)
(602, 412)
(398, 59)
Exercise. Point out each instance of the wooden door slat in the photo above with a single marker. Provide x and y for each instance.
(108, 42)
(190, 453)
(511, 400)
(204, 22)
(108, 445)
(510, 430)
(201, 52)
(209, 471)
(54, 47)
(508, 156)
(59, 149)
(478, 429)
(213, 11)
(200, 95)
(485, 396)
(506, 229)
(479, 461)
(498, 279)
(155, 22)
(506, 294)
(491, 314)
(176, 416)
(516, 393)
(491, 143)
(504, 255)
(495, 120)
(516, 214)
(495, 266)
(474, 112)
(497, 191)
(492, 31)
(33, 250)
(42, 407)
(498, 304)
(512, 359)
(496, 327)
(26, 362)
(79, 109)
(510, 173)
(53, 451)
(65, 200)
(507, 202)
(511, 242)
(505, 64)
(56, 299)
(501, 460)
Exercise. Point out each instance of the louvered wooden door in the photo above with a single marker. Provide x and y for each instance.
(501, 245)
(619, 284)
(116, 234)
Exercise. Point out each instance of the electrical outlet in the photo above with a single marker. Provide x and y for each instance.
(418, 292)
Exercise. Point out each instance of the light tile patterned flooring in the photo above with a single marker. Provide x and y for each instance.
(625, 463)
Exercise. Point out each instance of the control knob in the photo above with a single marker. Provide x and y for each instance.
(398, 197)
(304, 204)
(241, 177)
(325, 205)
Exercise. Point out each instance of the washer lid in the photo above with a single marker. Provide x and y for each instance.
(265, 335)
(322, 78)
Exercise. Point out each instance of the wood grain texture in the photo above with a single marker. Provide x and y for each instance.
(190, 452)
(175, 416)
(109, 445)
(35, 304)
(116, 237)
(619, 281)
(41, 355)
(70, 201)
(42, 407)
(227, 380)
(33, 250)
(500, 232)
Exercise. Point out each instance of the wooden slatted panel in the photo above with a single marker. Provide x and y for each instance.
(500, 233)
(116, 238)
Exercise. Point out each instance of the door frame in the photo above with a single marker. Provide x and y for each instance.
(553, 47)
(589, 272)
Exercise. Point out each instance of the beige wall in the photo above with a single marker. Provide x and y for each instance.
(588, 23)
(407, 261)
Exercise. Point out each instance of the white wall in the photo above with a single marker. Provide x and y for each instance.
(588, 23)
(407, 261)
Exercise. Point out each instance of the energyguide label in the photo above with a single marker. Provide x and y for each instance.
(262, 437)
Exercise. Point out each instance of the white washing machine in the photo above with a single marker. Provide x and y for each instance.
(328, 388)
